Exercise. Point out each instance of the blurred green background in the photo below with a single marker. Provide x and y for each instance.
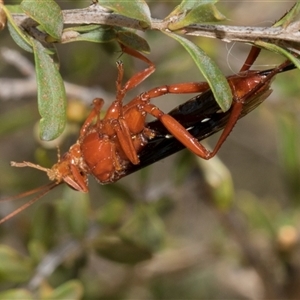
(180, 229)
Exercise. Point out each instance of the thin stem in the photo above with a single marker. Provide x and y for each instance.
(95, 14)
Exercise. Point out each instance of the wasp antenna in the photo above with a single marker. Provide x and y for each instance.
(28, 164)
(47, 186)
(45, 189)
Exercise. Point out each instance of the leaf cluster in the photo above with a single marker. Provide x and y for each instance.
(49, 27)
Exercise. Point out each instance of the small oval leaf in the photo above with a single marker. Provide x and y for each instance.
(287, 19)
(13, 9)
(187, 5)
(134, 9)
(132, 40)
(279, 50)
(86, 28)
(14, 267)
(99, 35)
(43, 229)
(47, 13)
(75, 208)
(16, 294)
(118, 250)
(51, 94)
(214, 76)
(113, 212)
(72, 289)
(144, 228)
(19, 36)
(202, 14)
(20, 39)
(219, 182)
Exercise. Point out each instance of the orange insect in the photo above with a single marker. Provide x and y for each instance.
(106, 147)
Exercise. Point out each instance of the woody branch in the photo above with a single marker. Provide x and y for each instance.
(96, 14)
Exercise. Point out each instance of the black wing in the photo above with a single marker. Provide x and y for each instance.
(202, 117)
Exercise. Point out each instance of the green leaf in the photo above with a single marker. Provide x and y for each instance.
(132, 40)
(257, 212)
(72, 289)
(279, 50)
(16, 294)
(144, 228)
(289, 16)
(14, 9)
(116, 249)
(19, 36)
(16, 118)
(14, 267)
(47, 13)
(75, 209)
(51, 94)
(37, 249)
(99, 35)
(105, 34)
(289, 153)
(207, 13)
(214, 76)
(87, 28)
(182, 166)
(41, 231)
(219, 181)
(187, 5)
(113, 212)
(137, 10)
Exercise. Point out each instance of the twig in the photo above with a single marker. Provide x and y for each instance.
(246, 34)
(93, 14)
(96, 14)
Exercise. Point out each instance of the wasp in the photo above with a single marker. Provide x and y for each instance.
(111, 147)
